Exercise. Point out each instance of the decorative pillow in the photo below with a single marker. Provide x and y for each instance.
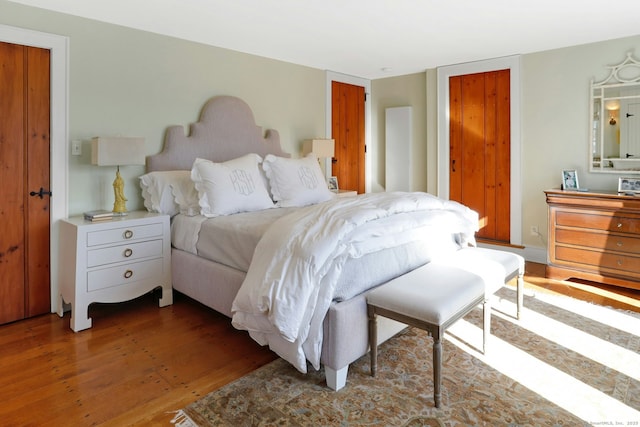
(296, 182)
(157, 193)
(230, 187)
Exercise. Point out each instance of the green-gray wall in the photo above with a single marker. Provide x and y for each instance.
(130, 82)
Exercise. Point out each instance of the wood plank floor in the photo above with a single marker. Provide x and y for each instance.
(139, 362)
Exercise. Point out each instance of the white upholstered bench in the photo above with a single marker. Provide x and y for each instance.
(496, 267)
(431, 297)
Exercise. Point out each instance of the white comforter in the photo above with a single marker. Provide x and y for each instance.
(289, 286)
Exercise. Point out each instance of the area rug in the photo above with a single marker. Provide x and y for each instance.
(565, 363)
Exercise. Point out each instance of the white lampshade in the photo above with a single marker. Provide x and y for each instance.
(320, 147)
(117, 151)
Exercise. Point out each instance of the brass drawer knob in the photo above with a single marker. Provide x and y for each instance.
(128, 252)
(127, 234)
(620, 262)
(619, 225)
(128, 274)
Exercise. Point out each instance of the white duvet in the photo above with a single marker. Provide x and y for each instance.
(296, 265)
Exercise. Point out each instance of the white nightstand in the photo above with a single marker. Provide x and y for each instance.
(346, 193)
(113, 261)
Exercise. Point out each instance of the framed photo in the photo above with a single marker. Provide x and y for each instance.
(570, 179)
(333, 183)
(628, 185)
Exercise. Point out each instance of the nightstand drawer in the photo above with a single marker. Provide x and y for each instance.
(123, 274)
(128, 252)
(124, 234)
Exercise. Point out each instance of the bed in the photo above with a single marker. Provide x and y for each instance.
(247, 245)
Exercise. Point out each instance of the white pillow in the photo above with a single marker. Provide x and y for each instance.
(296, 182)
(230, 187)
(157, 193)
(186, 196)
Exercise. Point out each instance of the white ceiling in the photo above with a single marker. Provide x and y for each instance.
(370, 38)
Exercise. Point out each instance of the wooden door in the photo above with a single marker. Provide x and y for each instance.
(24, 168)
(480, 165)
(347, 125)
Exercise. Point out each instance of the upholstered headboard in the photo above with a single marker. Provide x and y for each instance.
(226, 130)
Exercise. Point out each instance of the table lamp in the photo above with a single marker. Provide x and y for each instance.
(323, 148)
(118, 151)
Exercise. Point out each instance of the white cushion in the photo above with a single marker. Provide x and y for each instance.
(432, 293)
(296, 182)
(157, 192)
(230, 187)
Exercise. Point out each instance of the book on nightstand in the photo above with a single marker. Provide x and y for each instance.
(98, 215)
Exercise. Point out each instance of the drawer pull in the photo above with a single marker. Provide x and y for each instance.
(620, 262)
(129, 234)
(128, 252)
(619, 225)
(128, 274)
(619, 244)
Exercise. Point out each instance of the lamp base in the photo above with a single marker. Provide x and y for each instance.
(120, 204)
(120, 214)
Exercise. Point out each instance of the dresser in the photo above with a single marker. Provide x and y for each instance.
(113, 261)
(594, 235)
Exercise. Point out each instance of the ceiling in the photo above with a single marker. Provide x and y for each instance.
(370, 38)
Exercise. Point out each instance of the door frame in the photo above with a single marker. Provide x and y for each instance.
(332, 76)
(513, 63)
(59, 141)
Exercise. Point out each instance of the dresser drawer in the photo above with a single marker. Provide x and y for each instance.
(124, 234)
(123, 274)
(596, 221)
(594, 240)
(128, 252)
(599, 261)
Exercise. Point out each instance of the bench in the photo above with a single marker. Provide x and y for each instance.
(431, 297)
(496, 267)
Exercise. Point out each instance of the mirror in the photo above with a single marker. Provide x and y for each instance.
(615, 120)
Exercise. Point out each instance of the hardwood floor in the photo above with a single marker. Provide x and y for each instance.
(140, 362)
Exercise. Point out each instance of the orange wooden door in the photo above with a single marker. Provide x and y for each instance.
(347, 125)
(480, 165)
(24, 168)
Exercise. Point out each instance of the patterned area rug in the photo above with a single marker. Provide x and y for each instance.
(566, 363)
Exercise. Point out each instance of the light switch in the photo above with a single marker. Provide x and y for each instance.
(76, 147)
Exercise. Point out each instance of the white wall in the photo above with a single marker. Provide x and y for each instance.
(134, 83)
(554, 118)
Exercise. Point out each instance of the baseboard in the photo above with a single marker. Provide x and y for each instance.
(529, 253)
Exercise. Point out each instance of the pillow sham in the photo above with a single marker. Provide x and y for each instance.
(157, 193)
(296, 182)
(186, 196)
(230, 187)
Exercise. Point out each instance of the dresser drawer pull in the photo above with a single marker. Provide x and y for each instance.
(619, 244)
(128, 252)
(620, 262)
(127, 234)
(619, 225)
(128, 274)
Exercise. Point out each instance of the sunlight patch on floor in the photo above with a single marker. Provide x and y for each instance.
(597, 349)
(560, 388)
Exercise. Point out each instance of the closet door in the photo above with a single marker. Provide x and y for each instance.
(24, 169)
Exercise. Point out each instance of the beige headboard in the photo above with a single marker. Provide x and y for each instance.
(226, 130)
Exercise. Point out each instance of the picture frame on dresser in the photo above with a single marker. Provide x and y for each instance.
(570, 179)
(628, 185)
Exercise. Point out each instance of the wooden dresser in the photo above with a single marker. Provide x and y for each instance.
(594, 235)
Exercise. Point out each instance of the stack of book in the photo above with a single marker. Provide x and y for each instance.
(98, 215)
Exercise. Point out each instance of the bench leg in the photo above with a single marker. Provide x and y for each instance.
(520, 291)
(373, 339)
(486, 324)
(437, 367)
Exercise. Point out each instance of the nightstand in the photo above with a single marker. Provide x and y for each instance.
(346, 193)
(113, 261)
